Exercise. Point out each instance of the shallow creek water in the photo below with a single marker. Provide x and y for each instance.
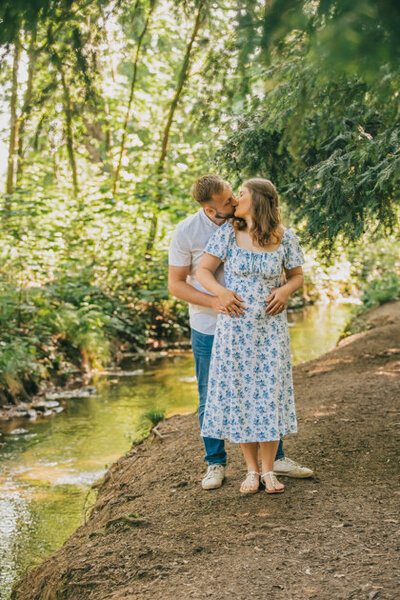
(47, 469)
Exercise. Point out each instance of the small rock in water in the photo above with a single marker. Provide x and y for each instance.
(52, 403)
(19, 431)
(21, 412)
(40, 407)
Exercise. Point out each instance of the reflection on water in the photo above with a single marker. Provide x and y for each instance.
(45, 473)
(316, 329)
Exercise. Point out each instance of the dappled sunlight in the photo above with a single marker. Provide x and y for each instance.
(351, 339)
(390, 370)
(328, 412)
(57, 476)
(10, 490)
(329, 364)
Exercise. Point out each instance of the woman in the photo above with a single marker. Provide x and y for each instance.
(250, 391)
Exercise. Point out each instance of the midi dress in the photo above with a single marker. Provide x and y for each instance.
(250, 394)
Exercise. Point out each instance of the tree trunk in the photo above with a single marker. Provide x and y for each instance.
(13, 123)
(183, 76)
(68, 126)
(38, 131)
(107, 129)
(27, 103)
(132, 91)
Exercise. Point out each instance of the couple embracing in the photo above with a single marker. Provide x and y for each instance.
(227, 261)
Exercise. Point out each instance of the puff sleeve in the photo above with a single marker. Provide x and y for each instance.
(293, 255)
(218, 244)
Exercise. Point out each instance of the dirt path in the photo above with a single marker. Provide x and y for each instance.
(331, 537)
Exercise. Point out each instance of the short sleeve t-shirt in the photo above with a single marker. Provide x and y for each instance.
(186, 249)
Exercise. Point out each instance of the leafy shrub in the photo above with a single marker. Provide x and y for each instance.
(384, 289)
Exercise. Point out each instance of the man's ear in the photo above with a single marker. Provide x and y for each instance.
(210, 212)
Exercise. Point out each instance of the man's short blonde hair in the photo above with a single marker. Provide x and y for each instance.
(206, 186)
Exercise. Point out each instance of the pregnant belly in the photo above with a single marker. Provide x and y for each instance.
(255, 315)
(256, 302)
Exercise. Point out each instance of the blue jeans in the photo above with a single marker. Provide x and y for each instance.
(202, 347)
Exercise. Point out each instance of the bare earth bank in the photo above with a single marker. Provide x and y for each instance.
(154, 533)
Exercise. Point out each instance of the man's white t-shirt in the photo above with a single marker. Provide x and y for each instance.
(186, 249)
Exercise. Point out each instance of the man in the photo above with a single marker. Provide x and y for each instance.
(188, 242)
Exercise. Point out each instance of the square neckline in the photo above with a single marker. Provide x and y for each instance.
(256, 251)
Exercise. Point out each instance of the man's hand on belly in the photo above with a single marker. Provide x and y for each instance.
(217, 306)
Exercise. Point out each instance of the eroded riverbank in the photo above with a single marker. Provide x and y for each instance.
(153, 533)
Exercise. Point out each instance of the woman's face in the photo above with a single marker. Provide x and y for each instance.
(244, 203)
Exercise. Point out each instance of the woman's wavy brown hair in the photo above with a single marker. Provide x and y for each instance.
(266, 212)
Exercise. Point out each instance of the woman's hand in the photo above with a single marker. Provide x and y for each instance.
(276, 301)
(232, 303)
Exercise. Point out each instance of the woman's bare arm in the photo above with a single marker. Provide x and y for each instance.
(294, 278)
(278, 298)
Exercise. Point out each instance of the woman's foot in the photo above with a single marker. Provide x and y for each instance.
(271, 484)
(251, 484)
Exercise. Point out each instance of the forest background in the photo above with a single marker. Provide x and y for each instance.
(111, 109)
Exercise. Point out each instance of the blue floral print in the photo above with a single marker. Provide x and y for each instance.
(250, 388)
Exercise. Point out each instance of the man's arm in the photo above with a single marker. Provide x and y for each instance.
(232, 303)
(179, 288)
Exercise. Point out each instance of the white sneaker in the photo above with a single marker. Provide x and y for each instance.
(214, 477)
(290, 468)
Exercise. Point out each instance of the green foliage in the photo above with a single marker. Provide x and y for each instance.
(346, 37)
(384, 289)
(381, 273)
(73, 303)
(148, 420)
(154, 416)
(329, 140)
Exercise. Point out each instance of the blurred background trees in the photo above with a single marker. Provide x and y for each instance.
(110, 110)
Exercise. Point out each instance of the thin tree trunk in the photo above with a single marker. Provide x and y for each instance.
(107, 41)
(38, 131)
(107, 133)
(131, 93)
(183, 77)
(13, 123)
(107, 129)
(27, 103)
(68, 126)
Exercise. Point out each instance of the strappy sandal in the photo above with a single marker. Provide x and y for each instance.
(252, 475)
(273, 481)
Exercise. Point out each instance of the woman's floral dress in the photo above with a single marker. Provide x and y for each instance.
(250, 387)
